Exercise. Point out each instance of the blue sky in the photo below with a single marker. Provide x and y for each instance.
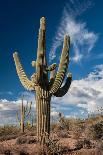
(82, 20)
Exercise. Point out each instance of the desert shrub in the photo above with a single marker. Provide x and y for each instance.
(96, 131)
(77, 133)
(76, 123)
(5, 149)
(64, 123)
(76, 127)
(65, 150)
(79, 144)
(55, 127)
(9, 130)
(38, 150)
(83, 144)
(51, 146)
(88, 152)
(8, 137)
(26, 140)
(62, 134)
(87, 144)
(70, 124)
(100, 145)
(21, 152)
(7, 152)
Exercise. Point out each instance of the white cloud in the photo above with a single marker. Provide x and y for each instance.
(85, 94)
(82, 39)
(9, 109)
(54, 113)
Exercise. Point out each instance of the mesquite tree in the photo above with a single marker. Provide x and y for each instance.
(40, 82)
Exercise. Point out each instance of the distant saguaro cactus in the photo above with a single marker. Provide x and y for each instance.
(41, 84)
(24, 113)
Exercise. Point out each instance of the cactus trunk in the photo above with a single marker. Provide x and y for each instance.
(43, 112)
(40, 82)
(22, 117)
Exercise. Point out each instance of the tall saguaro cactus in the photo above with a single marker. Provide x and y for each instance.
(40, 82)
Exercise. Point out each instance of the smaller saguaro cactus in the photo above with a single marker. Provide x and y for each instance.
(32, 119)
(24, 113)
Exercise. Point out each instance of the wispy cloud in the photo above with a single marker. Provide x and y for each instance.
(82, 39)
(6, 93)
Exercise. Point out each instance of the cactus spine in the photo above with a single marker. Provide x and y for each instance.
(40, 83)
(24, 113)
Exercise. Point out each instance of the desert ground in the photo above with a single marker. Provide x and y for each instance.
(68, 137)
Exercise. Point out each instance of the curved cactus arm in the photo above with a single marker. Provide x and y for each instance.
(52, 69)
(29, 85)
(62, 66)
(63, 90)
(52, 77)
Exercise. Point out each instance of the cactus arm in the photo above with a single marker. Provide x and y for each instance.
(63, 90)
(17, 117)
(29, 85)
(51, 67)
(41, 40)
(29, 109)
(62, 66)
(52, 77)
(41, 57)
(26, 107)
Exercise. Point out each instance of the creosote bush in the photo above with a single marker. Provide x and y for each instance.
(96, 131)
(9, 130)
(26, 140)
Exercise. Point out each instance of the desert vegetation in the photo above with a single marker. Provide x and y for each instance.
(68, 137)
(40, 82)
(65, 136)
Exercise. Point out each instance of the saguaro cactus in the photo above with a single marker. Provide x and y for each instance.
(40, 82)
(24, 113)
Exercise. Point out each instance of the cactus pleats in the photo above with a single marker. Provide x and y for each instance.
(41, 84)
